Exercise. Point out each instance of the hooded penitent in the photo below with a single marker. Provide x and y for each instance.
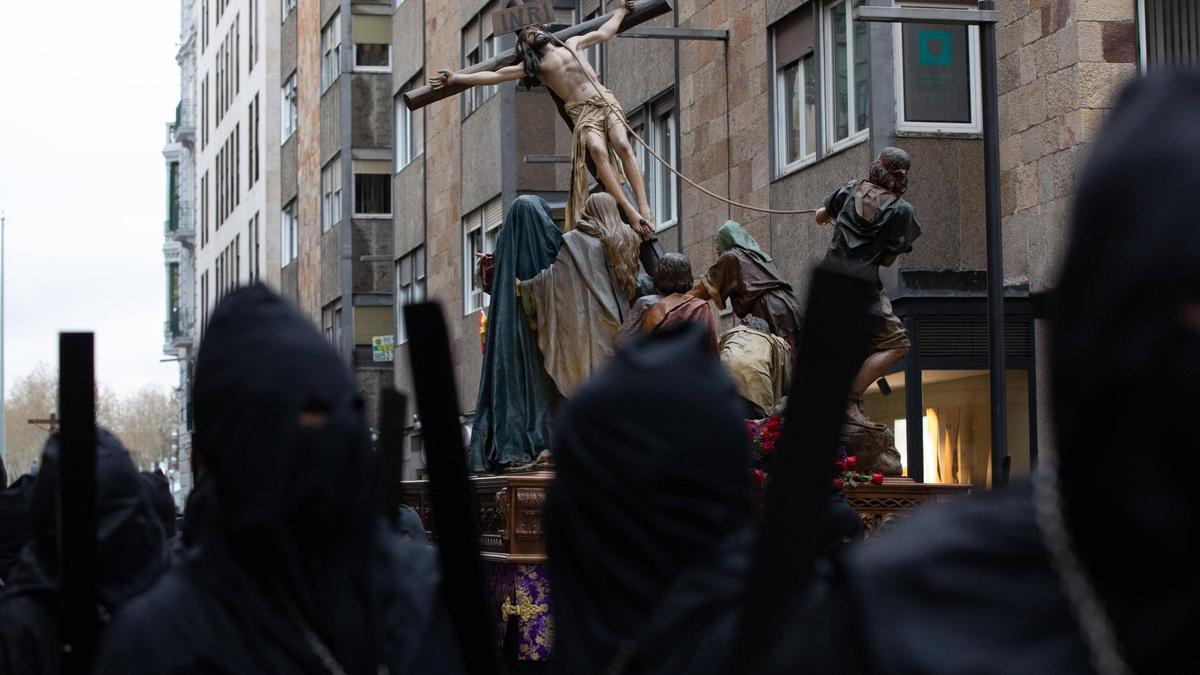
(513, 412)
(578, 303)
(977, 588)
(130, 557)
(16, 529)
(652, 483)
(294, 570)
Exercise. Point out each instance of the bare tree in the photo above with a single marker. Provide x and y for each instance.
(143, 420)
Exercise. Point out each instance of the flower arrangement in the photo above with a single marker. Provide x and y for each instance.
(847, 472)
(765, 433)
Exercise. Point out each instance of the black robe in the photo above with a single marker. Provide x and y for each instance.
(291, 567)
(131, 557)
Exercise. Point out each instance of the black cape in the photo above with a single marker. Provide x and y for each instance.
(130, 552)
(652, 493)
(293, 569)
(973, 588)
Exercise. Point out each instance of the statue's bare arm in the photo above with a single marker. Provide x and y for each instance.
(605, 32)
(445, 78)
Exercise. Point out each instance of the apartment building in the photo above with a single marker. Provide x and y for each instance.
(236, 179)
(336, 158)
(179, 246)
(788, 100)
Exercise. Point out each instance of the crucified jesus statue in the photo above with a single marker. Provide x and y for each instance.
(600, 130)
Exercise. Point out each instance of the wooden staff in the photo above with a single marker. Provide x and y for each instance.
(831, 349)
(77, 499)
(454, 514)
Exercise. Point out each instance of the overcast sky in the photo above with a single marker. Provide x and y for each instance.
(86, 89)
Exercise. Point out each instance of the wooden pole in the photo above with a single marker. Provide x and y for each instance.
(77, 499)
(643, 11)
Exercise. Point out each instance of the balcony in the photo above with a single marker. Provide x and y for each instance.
(181, 228)
(183, 130)
(178, 329)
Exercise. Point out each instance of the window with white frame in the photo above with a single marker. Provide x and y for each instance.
(658, 124)
(331, 193)
(331, 52)
(481, 230)
(289, 234)
(847, 65)
(1168, 35)
(410, 287)
(408, 131)
(795, 118)
(479, 45)
(937, 77)
(372, 35)
(290, 115)
(372, 188)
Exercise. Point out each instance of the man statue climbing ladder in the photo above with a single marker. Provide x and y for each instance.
(600, 127)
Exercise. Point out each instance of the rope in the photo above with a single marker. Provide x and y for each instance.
(620, 115)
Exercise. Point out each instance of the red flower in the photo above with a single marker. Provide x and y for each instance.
(759, 476)
(877, 478)
(768, 447)
(773, 424)
(838, 483)
(840, 464)
(851, 462)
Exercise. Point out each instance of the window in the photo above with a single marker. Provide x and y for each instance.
(286, 8)
(479, 45)
(204, 112)
(408, 131)
(1169, 35)
(253, 155)
(410, 287)
(252, 51)
(203, 25)
(237, 261)
(663, 196)
(237, 53)
(937, 81)
(204, 210)
(372, 188)
(331, 194)
(289, 234)
(253, 242)
(595, 53)
(848, 94)
(795, 90)
(372, 42)
(331, 51)
(481, 229)
(657, 124)
(288, 108)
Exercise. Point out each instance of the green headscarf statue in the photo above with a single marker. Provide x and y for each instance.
(733, 234)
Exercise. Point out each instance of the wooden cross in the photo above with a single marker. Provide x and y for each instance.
(643, 11)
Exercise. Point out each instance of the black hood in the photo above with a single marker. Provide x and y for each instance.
(157, 490)
(15, 527)
(130, 545)
(653, 477)
(1125, 365)
(282, 439)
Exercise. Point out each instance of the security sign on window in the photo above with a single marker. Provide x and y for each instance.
(937, 79)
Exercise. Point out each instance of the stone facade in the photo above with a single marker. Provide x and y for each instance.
(1060, 61)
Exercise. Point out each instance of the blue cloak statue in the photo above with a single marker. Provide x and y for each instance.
(515, 408)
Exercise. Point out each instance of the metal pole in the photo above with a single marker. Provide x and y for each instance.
(3, 288)
(995, 247)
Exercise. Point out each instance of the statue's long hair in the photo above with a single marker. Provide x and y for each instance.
(531, 59)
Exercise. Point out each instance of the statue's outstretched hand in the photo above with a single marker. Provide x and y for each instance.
(444, 78)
